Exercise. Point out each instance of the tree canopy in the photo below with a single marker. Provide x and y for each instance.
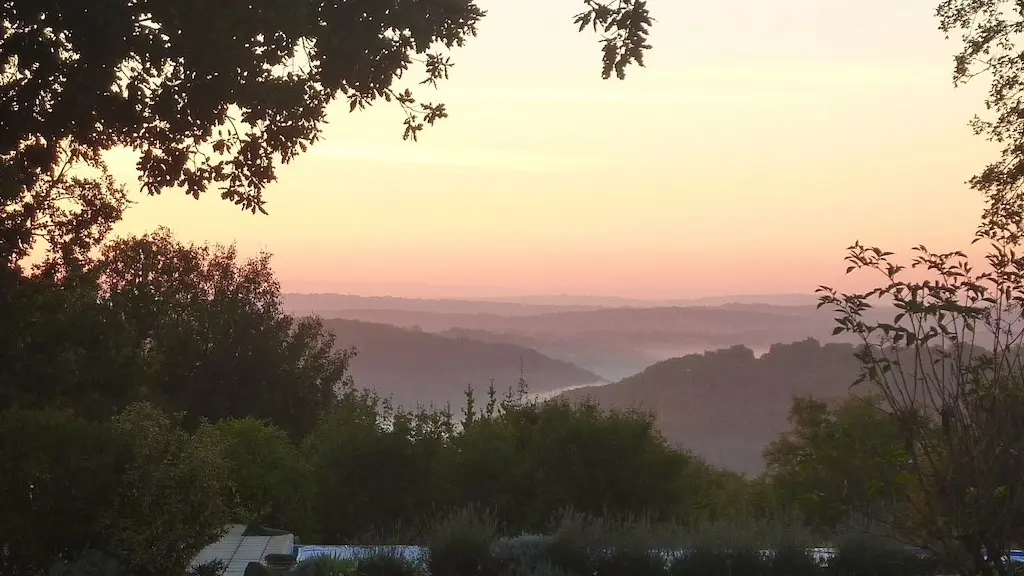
(948, 369)
(840, 463)
(213, 94)
(990, 31)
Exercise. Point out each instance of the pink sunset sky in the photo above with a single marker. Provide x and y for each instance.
(760, 141)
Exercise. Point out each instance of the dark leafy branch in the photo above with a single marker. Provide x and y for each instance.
(624, 26)
(949, 369)
(219, 106)
(991, 31)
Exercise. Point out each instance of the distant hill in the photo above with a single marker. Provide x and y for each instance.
(326, 303)
(618, 302)
(333, 305)
(618, 342)
(423, 368)
(728, 405)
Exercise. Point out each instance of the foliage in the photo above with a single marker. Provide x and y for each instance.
(215, 567)
(990, 31)
(871, 557)
(610, 544)
(625, 25)
(640, 561)
(368, 475)
(793, 560)
(948, 368)
(376, 467)
(70, 205)
(137, 489)
(840, 462)
(384, 564)
(700, 562)
(270, 480)
(523, 554)
(219, 108)
(60, 347)
(55, 491)
(557, 447)
(328, 566)
(169, 502)
(574, 542)
(90, 563)
(214, 333)
(461, 545)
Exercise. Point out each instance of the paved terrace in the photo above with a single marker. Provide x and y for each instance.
(237, 551)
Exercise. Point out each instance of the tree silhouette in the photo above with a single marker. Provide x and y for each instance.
(214, 94)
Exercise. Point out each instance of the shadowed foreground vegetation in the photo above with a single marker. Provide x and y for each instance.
(180, 397)
(186, 399)
(469, 542)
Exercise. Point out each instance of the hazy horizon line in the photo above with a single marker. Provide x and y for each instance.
(514, 299)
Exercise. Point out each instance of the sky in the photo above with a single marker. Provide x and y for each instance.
(760, 141)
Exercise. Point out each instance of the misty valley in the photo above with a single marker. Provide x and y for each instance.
(720, 379)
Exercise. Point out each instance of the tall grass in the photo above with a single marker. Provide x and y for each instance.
(461, 544)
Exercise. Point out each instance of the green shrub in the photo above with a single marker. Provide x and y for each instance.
(215, 567)
(793, 560)
(90, 563)
(526, 554)
(461, 545)
(137, 489)
(57, 480)
(382, 563)
(270, 483)
(572, 548)
(700, 562)
(327, 566)
(169, 502)
(630, 561)
(542, 569)
(861, 556)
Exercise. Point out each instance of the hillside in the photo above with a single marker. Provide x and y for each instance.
(420, 367)
(333, 305)
(619, 342)
(327, 304)
(728, 405)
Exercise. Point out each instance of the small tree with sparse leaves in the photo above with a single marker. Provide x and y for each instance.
(948, 367)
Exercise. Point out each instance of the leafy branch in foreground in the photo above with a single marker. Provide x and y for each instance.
(990, 31)
(220, 107)
(948, 367)
(625, 26)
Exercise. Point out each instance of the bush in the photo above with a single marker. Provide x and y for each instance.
(57, 479)
(572, 548)
(270, 483)
(327, 566)
(525, 554)
(793, 560)
(170, 499)
(747, 562)
(858, 556)
(137, 489)
(632, 561)
(215, 567)
(381, 563)
(700, 562)
(461, 545)
(90, 563)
